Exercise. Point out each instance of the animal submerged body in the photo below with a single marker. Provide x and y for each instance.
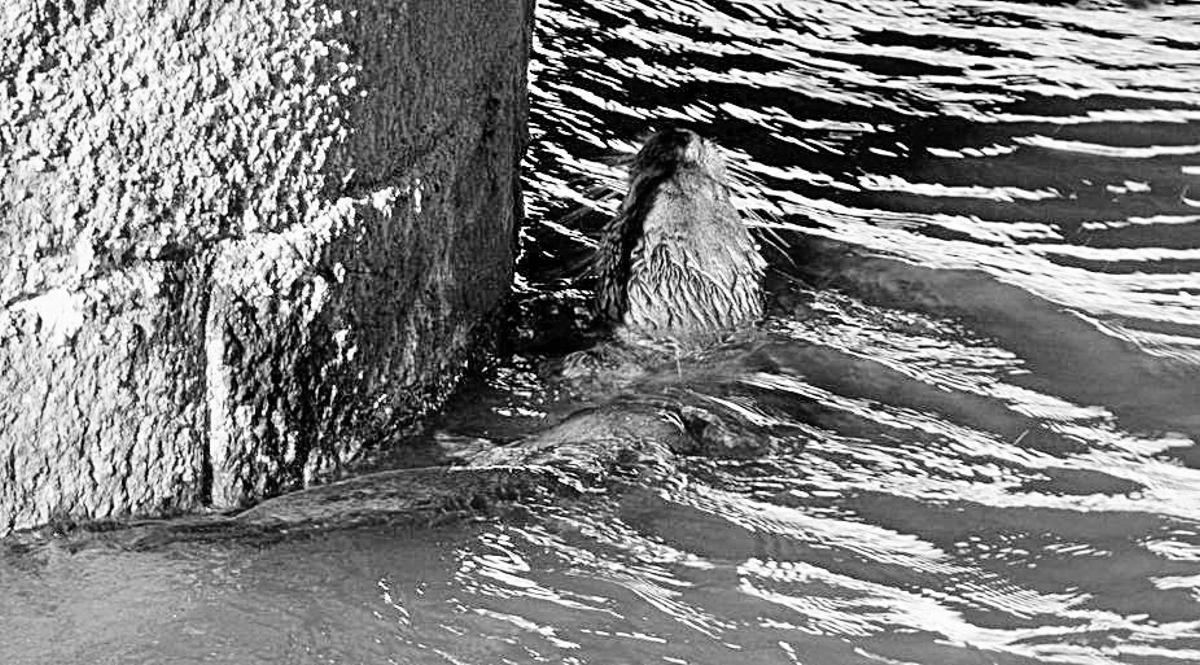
(676, 267)
(676, 264)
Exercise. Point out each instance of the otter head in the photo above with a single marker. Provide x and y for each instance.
(675, 263)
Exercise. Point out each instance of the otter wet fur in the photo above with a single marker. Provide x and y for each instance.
(676, 264)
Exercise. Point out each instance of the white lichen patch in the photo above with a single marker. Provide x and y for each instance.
(416, 196)
(384, 200)
(59, 313)
(84, 253)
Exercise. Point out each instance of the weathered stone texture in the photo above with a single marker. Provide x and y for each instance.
(241, 239)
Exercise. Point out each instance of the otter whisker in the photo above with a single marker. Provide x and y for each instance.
(764, 216)
(575, 215)
(769, 236)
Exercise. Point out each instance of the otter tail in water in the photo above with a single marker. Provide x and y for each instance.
(676, 263)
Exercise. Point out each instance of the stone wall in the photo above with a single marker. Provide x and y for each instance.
(241, 240)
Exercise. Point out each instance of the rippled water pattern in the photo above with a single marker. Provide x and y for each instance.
(979, 387)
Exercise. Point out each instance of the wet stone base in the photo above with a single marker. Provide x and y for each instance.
(586, 453)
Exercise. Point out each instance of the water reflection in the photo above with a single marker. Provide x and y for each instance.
(994, 410)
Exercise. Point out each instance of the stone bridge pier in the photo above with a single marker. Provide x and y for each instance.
(241, 241)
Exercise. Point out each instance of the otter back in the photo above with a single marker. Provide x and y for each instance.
(677, 264)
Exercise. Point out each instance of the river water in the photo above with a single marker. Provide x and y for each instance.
(975, 406)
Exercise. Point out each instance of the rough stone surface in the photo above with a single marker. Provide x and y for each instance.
(240, 240)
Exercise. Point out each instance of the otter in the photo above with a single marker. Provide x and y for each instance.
(676, 264)
(675, 267)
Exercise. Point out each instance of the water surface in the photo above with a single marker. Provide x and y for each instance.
(977, 395)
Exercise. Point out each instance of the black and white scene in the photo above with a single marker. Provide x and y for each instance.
(600, 332)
